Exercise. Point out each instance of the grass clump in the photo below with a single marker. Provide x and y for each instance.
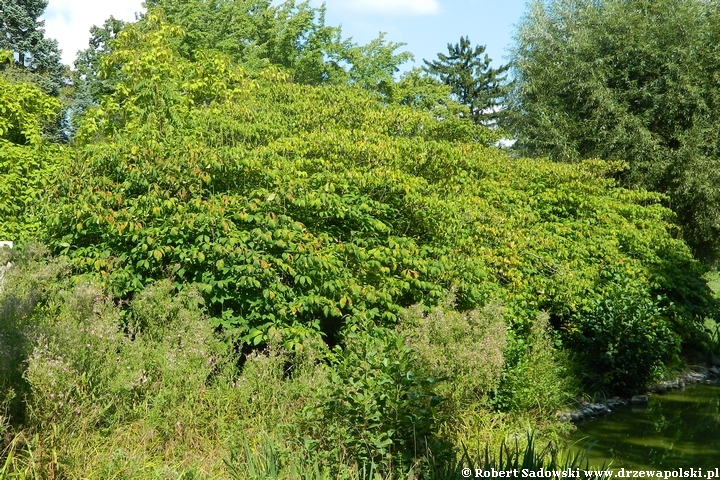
(538, 375)
(95, 381)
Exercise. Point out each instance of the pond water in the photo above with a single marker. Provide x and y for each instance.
(679, 429)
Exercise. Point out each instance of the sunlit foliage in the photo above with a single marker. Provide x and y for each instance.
(303, 208)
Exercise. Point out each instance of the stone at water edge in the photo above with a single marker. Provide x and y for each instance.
(639, 400)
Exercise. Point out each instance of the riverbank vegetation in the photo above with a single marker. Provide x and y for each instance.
(282, 262)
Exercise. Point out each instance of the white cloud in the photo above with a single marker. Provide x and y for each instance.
(398, 7)
(69, 21)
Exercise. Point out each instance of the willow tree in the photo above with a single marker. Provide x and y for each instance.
(630, 80)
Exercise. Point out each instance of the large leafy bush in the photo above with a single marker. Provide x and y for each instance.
(624, 341)
(302, 208)
(382, 407)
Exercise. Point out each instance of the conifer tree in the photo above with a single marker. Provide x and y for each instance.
(22, 33)
(473, 82)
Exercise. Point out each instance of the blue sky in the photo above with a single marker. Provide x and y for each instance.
(427, 26)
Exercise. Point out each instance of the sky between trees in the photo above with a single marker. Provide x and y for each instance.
(425, 25)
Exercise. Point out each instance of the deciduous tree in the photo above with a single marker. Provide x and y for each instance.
(27, 161)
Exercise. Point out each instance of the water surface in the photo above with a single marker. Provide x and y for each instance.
(677, 429)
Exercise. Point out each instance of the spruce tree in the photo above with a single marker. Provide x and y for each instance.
(473, 82)
(22, 33)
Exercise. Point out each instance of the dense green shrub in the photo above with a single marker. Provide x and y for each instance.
(305, 209)
(537, 376)
(302, 208)
(625, 340)
(381, 408)
(27, 162)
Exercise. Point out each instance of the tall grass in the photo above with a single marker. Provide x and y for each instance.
(528, 454)
(90, 388)
(267, 464)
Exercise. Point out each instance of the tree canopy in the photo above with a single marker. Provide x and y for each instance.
(257, 34)
(630, 80)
